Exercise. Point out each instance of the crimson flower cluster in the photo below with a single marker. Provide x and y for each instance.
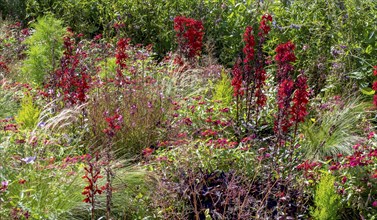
(284, 57)
(263, 26)
(237, 80)
(92, 176)
(121, 52)
(292, 97)
(114, 124)
(282, 123)
(248, 50)
(252, 74)
(300, 100)
(121, 57)
(189, 33)
(72, 78)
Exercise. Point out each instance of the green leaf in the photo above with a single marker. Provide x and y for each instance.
(367, 91)
(369, 49)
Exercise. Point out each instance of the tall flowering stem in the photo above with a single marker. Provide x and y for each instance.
(92, 176)
(121, 57)
(300, 102)
(237, 87)
(72, 79)
(292, 97)
(284, 98)
(252, 74)
(114, 124)
(189, 33)
(284, 58)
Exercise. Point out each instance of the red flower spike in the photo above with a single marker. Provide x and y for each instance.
(189, 33)
(237, 80)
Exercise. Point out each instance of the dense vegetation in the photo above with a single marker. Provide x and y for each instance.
(188, 109)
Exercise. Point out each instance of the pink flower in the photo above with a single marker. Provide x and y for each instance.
(374, 204)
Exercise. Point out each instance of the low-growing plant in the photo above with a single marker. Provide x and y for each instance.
(326, 200)
(29, 113)
(223, 90)
(335, 128)
(8, 106)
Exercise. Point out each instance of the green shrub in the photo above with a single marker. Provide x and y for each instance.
(224, 90)
(28, 115)
(15, 9)
(45, 49)
(326, 200)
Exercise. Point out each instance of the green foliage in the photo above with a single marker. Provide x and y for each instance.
(335, 128)
(36, 185)
(45, 49)
(15, 9)
(334, 39)
(326, 200)
(8, 105)
(151, 21)
(27, 117)
(224, 90)
(108, 68)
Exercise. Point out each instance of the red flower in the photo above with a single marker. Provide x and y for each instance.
(114, 124)
(300, 100)
(147, 152)
(248, 50)
(121, 55)
(282, 122)
(285, 55)
(72, 79)
(374, 86)
(189, 33)
(263, 26)
(237, 80)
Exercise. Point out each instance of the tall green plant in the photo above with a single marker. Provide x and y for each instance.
(45, 49)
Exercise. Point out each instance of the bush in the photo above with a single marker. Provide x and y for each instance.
(28, 115)
(14, 9)
(45, 49)
(326, 200)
